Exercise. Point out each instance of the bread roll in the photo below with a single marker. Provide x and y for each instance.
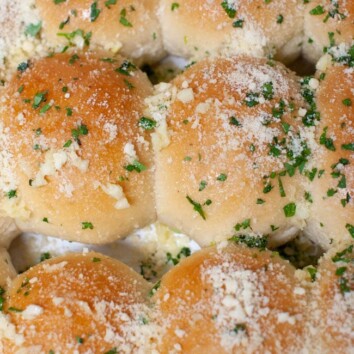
(7, 271)
(231, 299)
(327, 23)
(234, 137)
(331, 310)
(261, 28)
(130, 27)
(76, 303)
(8, 231)
(78, 160)
(331, 220)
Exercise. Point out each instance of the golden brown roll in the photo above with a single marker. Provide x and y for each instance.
(231, 299)
(326, 24)
(331, 186)
(78, 157)
(76, 303)
(130, 27)
(227, 162)
(260, 28)
(331, 311)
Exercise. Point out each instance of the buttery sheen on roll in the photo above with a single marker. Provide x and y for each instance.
(227, 162)
(231, 299)
(130, 27)
(76, 303)
(198, 28)
(77, 162)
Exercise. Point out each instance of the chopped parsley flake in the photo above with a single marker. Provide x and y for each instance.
(260, 242)
(185, 252)
(23, 66)
(349, 147)
(73, 59)
(286, 127)
(112, 351)
(341, 270)
(342, 182)
(45, 256)
(86, 225)
(147, 123)
(318, 10)
(241, 327)
(222, 177)
(197, 207)
(69, 111)
(234, 121)
(2, 299)
(128, 84)
(33, 29)
(79, 340)
(202, 185)
(341, 256)
(281, 188)
(14, 309)
(174, 6)
(238, 23)
(135, 166)
(252, 99)
(123, 18)
(346, 200)
(308, 197)
(280, 19)
(39, 97)
(313, 272)
(96, 259)
(154, 288)
(67, 143)
(231, 12)
(126, 68)
(267, 188)
(63, 23)
(94, 11)
(45, 108)
(268, 90)
(327, 142)
(331, 39)
(243, 225)
(347, 102)
(343, 285)
(12, 193)
(80, 33)
(290, 210)
(81, 130)
(331, 192)
(350, 229)
(108, 3)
